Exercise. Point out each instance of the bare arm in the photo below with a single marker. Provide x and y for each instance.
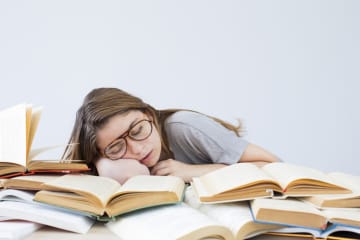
(184, 170)
(257, 155)
(252, 154)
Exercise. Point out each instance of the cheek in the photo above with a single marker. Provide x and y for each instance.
(156, 141)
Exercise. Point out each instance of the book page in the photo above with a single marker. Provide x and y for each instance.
(285, 173)
(236, 216)
(17, 229)
(348, 232)
(299, 230)
(146, 183)
(351, 182)
(30, 182)
(289, 212)
(35, 118)
(94, 187)
(33, 212)
(178, 221)
(13, 140)
(16, 195)
(317, 233)
(230, 177)
(343, 216)
(345, 200)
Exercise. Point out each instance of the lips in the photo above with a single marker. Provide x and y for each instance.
(146, 159)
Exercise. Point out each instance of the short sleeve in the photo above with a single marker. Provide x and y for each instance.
(195, 138)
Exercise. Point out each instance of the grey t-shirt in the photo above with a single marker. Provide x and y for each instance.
(197, 139)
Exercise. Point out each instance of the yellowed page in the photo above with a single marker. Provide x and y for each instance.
(28, 126)
(38, 178)
(236, 216)
(350, 181)
(13, 135)
(178, 221)
(286, 173)
(343, 216)
(283, 204)
(29, 181)
(35, 118)
(148, 183)
(288, 211)
(95, 187)
(228, 178)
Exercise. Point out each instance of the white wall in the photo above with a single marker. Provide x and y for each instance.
(289, 69)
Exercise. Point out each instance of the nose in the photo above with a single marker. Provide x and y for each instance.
(134, 147)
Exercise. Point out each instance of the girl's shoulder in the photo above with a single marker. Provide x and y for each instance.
(190, 121)
(186, 117)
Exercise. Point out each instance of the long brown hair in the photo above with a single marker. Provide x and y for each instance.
(98, 107)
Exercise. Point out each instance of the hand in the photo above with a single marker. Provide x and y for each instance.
(120, 170)
(183, 170)
(173, 168)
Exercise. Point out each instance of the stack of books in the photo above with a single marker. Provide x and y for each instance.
(19, 215)
(302, 201)
(240, 201)
(59, 193)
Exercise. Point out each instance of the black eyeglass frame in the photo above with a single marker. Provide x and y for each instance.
(124, 136)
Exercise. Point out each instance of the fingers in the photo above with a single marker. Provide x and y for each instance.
(162, 168)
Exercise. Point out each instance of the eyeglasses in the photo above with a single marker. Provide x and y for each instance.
(138, 132)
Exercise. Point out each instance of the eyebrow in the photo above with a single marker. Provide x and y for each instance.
(135, 121)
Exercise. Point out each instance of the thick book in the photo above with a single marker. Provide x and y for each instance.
(293, 212)
(18, 126)
(235, 216)
(246, 181)
(179, 221)
(333, 232)
(104, 197)
(19, 204)
(350, 200)
(29, 182)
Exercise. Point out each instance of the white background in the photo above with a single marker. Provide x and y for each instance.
(289, 69)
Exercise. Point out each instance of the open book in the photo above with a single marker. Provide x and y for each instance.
(235, 216)
(185, 222)
(18, 204)
(333, 232)
(29, 182)
(18, 125)
(245, 181)
(104, 197)
(179, 221)
(350, 200)
(293, 212)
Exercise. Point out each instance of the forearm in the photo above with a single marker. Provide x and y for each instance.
(184, 170)
(257, 155)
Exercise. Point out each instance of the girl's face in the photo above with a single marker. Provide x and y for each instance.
(128, 126)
